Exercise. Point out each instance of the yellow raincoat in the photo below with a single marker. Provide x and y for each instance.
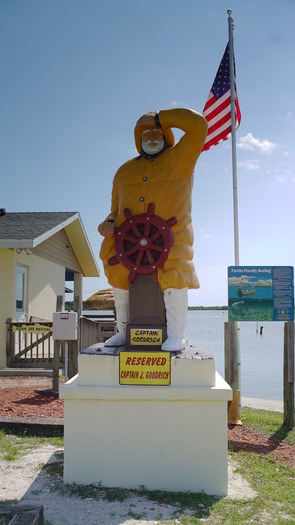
(166, 181)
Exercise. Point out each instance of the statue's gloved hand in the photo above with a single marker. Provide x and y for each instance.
(106, 229)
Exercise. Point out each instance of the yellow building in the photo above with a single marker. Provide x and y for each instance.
(39, 252)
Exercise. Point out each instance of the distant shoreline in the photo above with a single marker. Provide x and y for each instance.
(69, 305)
(225, 307)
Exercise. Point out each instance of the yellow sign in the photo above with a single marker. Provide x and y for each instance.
(145, 368)
(32, 328)
(146, 336)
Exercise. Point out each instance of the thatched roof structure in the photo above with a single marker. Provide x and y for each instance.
(100, 300)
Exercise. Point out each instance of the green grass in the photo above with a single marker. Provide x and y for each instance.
(268, 423)
(13, 446)
(273, 481)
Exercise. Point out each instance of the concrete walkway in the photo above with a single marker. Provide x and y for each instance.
(262, 404)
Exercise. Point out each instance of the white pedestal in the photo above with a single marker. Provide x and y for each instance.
(161, 437)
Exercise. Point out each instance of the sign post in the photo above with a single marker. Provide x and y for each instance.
(289, 374)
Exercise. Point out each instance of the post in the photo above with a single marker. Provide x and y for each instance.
(232, 368)
(73, 357)
(56, 352)
(74, 347)
(289, 374)
(66, 347)
(236, 385)
(233, 135)
(10, 342)
(231, 359)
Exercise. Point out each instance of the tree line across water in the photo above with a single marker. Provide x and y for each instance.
(69, 305)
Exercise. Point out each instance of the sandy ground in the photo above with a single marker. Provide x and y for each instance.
(24, 481)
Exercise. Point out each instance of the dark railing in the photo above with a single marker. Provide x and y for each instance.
(96, 329)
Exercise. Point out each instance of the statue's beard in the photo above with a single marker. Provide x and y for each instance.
(152, 147)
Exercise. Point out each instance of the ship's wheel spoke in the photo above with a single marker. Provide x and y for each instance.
(135, 230)
(156, 236)
(140, 256)
(147, 228)
(131, 251)
(150, 256)
(130, 239)
(156, 247)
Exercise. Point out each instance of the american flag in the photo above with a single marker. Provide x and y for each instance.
(217, 110)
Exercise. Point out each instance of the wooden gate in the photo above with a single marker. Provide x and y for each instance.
(29, 345)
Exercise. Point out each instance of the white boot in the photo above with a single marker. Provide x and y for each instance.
(176, 304)
(122, 309)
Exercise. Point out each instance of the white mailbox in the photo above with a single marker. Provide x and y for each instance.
(64, 326)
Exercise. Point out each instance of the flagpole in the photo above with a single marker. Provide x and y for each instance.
(233, 135)
(236, 403)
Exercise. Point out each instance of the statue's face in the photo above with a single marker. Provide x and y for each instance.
(152, 141)
(152, 135)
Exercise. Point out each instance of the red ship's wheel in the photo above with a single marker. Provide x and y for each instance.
(142, 242)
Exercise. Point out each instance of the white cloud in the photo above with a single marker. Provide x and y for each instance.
(249, 142)
(204, 235)
(179, 104)
(249, 165)
(281, 179)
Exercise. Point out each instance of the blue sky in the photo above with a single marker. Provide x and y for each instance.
(77, 74)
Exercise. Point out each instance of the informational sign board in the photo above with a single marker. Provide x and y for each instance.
(145, 368)
(261, 293)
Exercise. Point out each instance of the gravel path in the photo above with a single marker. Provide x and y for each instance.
(25, 481)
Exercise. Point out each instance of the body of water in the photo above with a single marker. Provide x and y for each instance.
(261, 355)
